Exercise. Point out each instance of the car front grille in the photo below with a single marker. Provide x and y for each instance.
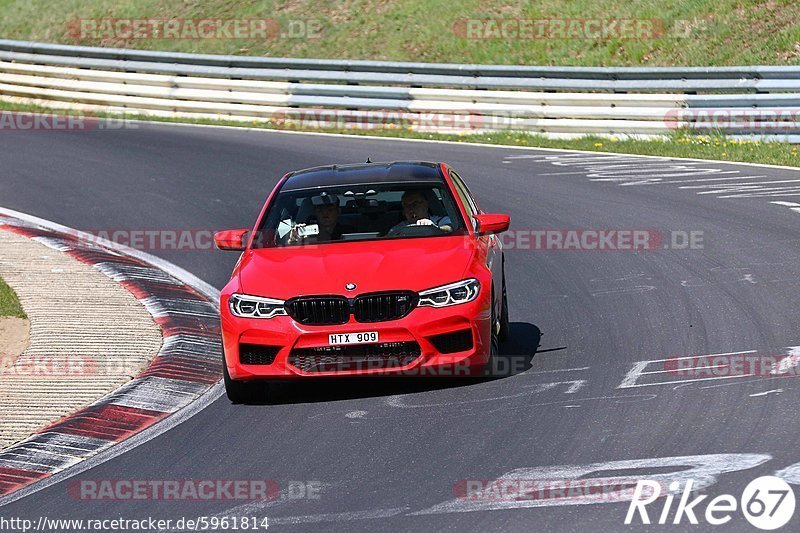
(381, 306)
(370, 307)
(319, 310)
(355, 357)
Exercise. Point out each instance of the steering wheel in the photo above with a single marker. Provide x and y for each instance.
(414, 230)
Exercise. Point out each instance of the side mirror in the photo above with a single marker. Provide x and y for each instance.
(489, 224)
(231, 239)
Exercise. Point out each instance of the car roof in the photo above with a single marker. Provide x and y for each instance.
(335, 175)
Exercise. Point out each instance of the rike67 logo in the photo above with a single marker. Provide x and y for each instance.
(767, 503)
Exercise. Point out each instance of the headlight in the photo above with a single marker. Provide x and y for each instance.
(460, 292)
(246, 306)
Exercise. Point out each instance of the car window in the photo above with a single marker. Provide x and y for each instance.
(358, 213)
(462, 184)
(466, 197)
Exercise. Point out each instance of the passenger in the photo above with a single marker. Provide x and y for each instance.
(326, 211)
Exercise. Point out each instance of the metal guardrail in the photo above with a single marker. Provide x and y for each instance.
(609, 73)
(557, 101)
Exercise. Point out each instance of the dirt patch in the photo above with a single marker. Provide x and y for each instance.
(14, 336)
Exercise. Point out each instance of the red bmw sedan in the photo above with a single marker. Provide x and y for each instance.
(367, 269)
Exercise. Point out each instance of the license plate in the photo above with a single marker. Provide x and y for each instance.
(336, 339)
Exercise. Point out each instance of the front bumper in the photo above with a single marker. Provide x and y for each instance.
(420, 326)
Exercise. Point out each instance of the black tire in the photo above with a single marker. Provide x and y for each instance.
(238, 391)
(505, 325)
(494, 346)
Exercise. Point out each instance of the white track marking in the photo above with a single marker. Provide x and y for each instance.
(791, 205)
(780, 372)
(576, 173)
(745, 382)
(574, 386)
(693, 368)
(635, 290)
(715, 186)
(339, 517)
(703, 355)
(727, 178)
(505, 408)
(633, 374)
(628, 171)
(638, 369)
(659, 181)
(788, 363)
(777, 191)
(765, 393)
(560, 370)
(397, 400)
(635, 174)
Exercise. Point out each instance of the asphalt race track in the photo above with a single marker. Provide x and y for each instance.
(390, 455)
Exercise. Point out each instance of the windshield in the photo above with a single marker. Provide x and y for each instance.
(359, 213)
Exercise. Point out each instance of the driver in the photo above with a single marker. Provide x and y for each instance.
(417, 212)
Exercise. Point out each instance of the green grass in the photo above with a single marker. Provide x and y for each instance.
(679, 144)
(9, 304)
(695, 32)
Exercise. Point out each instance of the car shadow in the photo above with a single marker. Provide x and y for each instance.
(515, 357)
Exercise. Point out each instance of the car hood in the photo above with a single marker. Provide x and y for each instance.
(401, 264)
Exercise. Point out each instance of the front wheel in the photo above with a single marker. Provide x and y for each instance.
(239, 391)
(494, 345)
(505, 326)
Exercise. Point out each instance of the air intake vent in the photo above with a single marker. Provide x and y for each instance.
(458, 341)
(257, 354)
